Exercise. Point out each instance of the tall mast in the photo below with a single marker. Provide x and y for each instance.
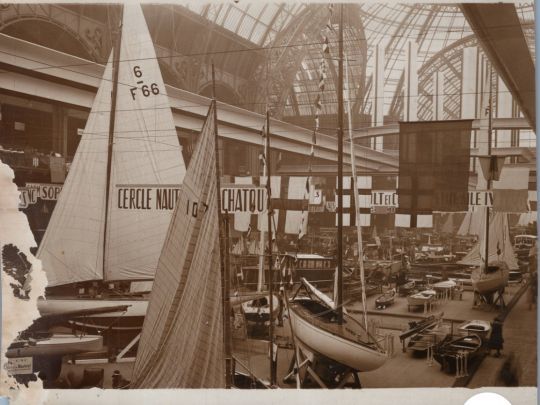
(339, 301)
(112, 118)
(488, 175)
(223, 253)
(356, 199)
(270, 264)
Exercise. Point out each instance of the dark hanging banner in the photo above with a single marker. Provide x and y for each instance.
(433, 166)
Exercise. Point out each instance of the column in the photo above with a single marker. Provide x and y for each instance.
(378, 87)
(438, 96)
(504, 110)
(469, 80)
(410, 102)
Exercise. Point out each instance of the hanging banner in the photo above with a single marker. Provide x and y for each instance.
(239, 198)
(145, 197)
(434, 158)
(49, 192)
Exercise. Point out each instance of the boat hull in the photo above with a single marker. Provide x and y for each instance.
(131, 319)
(58, 345)
(333, 346)
(421, 299)
(491, 282)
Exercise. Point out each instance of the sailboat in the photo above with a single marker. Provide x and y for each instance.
(320, 325)
(501, 257)
(109, 225)
(182, 342)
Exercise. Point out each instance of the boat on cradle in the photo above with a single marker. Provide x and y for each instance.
(501, 258)
(42, 353)
(258, 310)
(314, 323)
(477, 327)
(386, 299)
(490, 280)
(455, 354)
(422, 297)
(106, 233)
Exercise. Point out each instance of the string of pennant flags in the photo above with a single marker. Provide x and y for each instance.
(322, 74)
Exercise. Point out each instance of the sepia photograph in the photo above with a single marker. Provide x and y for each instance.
(265, 195)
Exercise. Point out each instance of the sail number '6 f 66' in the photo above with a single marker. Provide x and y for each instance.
(146, 89)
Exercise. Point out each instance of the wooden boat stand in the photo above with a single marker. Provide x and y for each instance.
(314, 370)
(494, 299)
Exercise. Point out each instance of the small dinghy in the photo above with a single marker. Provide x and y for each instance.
(258, 310)
(422, 297)
(477, 327)
(407, 288)
(455, 354)
(386, 299)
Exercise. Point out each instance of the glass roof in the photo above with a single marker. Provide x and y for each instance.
(435, 27)
(258, 22)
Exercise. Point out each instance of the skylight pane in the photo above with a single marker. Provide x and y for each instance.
(255, 8)
(258, 32)
(222, 14)
(246, 27)
(233, 18)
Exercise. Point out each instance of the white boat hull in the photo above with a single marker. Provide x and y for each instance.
(131, 319)
(491, 282)
(58, 345)
(344, 351)
(58, 306)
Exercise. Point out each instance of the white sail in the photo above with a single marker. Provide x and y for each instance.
(473, 223)
(147, 169)
(181, 344)
(500, 245)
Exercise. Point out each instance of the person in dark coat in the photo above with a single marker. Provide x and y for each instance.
(496, 339)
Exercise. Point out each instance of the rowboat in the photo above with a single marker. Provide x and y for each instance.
(454, 354)
(258, 310)
(477, 327)
(385, 300)
(406, 288)
(422, 297)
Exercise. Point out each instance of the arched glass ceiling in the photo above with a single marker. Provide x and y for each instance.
(433, 26)
(258, 22)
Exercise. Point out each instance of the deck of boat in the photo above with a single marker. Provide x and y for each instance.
(326, 319)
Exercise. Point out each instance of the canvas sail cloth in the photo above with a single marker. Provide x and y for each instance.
(181, 343)
(473, 223)
(146, 160)
(500, 246)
